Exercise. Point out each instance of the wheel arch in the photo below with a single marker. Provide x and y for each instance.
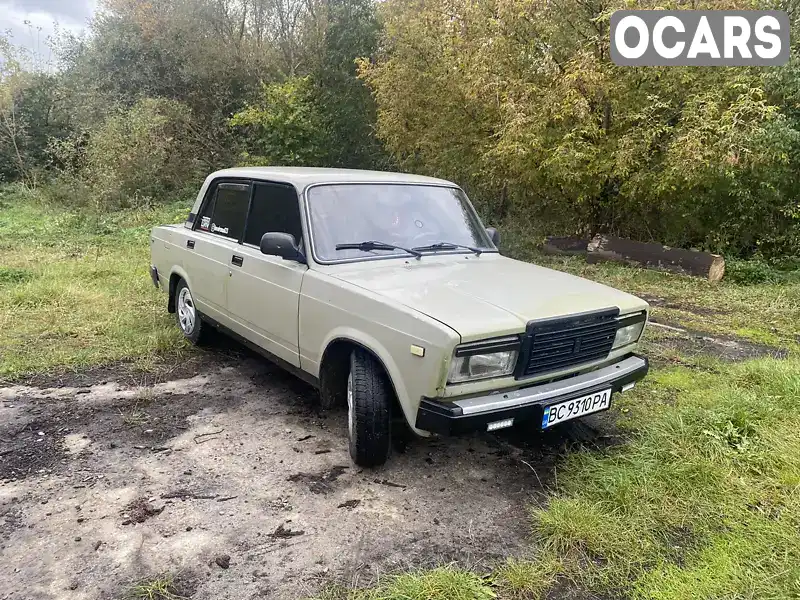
(332, 372)
(175, 276)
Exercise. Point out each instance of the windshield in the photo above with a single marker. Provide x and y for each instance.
(409, 216)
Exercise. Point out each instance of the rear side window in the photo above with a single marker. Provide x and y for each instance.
(275, 208)
(226, 212)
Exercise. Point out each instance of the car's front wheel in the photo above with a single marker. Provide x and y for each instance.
(369, 418)
(186, 314)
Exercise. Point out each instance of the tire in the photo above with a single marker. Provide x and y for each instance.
(369, 415)
(187, 316)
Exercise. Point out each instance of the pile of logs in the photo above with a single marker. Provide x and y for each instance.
(606, 248)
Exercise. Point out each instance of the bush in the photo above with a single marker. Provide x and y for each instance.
(757, 270)
(284, 128)
(67, 191)
(136, 157)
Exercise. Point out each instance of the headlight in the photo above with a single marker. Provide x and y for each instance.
(482, 360)
(629, 331)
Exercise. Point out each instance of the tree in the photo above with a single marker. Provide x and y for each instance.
(284, 128)
(325, 117)
(31, 113)
(226, 57)
(12, 130)
(351, 31)
(520, 101)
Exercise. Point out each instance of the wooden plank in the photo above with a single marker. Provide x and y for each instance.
(604, 248)
(570, 246)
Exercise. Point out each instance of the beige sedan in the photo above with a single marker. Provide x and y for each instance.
(386, 292)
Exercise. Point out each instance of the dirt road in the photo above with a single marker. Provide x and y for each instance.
(224, 472)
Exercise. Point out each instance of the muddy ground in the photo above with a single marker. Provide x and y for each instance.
(108, 478)
(222, 470)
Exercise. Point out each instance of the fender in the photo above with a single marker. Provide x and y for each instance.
(408, 405)
(181, 272)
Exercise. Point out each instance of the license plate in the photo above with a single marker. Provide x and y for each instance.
(577, 407)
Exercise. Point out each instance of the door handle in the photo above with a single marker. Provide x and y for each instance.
(190, 243)
(237, 260)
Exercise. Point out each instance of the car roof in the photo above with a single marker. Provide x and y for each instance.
(302, 177)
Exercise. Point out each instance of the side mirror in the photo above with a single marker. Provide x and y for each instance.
(494, 235)
(281, 244)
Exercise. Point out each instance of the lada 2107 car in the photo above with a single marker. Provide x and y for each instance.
(386, 292)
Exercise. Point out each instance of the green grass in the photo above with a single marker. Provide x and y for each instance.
(75, 288)
(75, 291)
(519, 579)
(443, 583)
(702, 502)
(162, 587)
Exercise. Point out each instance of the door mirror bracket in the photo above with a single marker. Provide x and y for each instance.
(494, 235)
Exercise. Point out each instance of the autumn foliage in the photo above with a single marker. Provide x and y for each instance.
(515, 100)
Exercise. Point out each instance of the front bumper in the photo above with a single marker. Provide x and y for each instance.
(475, 413)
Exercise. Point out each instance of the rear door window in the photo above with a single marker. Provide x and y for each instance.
(275, 208)
(226, 212)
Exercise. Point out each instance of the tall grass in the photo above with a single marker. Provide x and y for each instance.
(75, 288)
(703, 502)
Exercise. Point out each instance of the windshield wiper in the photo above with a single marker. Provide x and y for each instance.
(372, 245)
(448, 246)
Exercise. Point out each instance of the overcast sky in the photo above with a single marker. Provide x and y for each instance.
(23, 18)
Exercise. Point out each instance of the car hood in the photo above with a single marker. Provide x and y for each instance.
(484, 296)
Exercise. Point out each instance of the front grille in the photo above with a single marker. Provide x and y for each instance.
(557, 344)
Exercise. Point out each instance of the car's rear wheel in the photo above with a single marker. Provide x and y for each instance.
(369, 416)
(186, 314)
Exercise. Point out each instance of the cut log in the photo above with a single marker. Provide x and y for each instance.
(569, 246)
(604, 248)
